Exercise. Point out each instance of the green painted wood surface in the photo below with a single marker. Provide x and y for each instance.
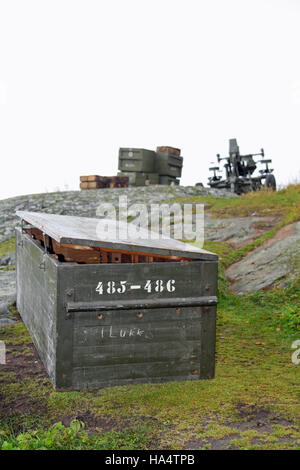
(86, 349)
(136, 160)
(37, 298)
(168, 165)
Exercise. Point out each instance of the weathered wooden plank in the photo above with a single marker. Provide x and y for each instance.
(64, 333)
(136, 371)
(191, 280)
(36, 298)
(93, 178)
(104, 256)
(76, 253)
(135, 353)
(135, 333)
(170, 150)
(105, 181)
(88, 231)
(80, 383)
(208, 342)
(116, 258)
(91, 255)
(96, 185)
(135, 256)
(142, 316)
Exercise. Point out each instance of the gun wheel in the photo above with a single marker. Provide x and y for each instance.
(270, 182)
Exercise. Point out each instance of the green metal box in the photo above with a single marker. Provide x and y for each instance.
(167, 164)
(132, 160)
(127, 321)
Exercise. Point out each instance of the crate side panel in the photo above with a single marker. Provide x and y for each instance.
(115, 347)
(80, 380)
(163, 348)
(37, 298)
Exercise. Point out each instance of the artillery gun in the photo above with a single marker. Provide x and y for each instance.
(239, 170)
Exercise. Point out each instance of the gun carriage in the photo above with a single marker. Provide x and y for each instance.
(239, 171)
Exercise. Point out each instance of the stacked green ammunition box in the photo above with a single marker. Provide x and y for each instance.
(146, 167)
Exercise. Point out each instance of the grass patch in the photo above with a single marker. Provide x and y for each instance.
(15, 334)
(7, 247)
(75, 437)
(257, 203)
(13, 309)
(8, 268)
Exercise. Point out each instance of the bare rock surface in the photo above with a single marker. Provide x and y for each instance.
(236, 230)
(276, 259)
(7, 295)
(86, 203)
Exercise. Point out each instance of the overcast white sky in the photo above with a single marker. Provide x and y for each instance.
(79, 79)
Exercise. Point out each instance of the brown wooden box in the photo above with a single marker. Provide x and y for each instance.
(169, 150)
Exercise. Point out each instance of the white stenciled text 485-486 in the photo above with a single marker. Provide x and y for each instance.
(122, 287)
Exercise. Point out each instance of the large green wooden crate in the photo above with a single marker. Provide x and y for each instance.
(132, 159)
(97, 325)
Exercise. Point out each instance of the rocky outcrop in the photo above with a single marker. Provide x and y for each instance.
(237, 231)
(273, 262)
(7, 295)
(85, 203)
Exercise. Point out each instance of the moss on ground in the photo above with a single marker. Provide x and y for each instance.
(13, 309)
(15, 334)
(8, 268)
(7, 247)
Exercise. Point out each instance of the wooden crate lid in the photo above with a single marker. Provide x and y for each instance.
(102, 233)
